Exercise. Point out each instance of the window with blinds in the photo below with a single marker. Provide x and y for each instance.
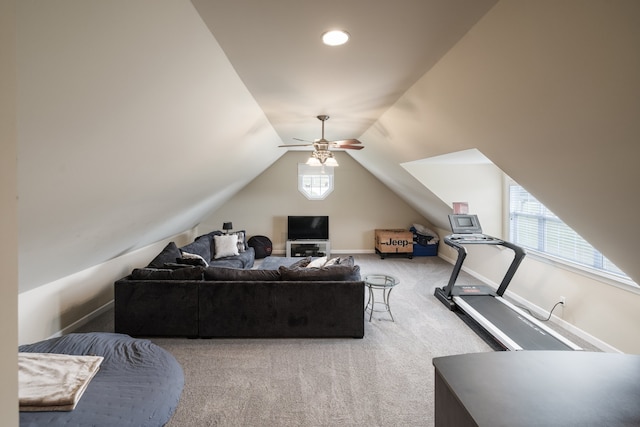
(315, 182)
(533, 226)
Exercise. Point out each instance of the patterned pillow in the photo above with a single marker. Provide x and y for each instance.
(242, 241)
(192, 259)
(332, 261)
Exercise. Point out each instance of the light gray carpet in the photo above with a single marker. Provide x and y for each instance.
(384, 379)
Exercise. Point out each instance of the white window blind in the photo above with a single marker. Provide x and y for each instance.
(533, 226)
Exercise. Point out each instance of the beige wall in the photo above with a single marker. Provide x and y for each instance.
(8, 219)
(359, 204)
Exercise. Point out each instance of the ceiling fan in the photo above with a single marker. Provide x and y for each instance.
(321, 146)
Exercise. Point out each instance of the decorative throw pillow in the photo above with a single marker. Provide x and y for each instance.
(332, 261)
(226, 245)
(192, 259)
(318, 262)
(242, 243)
(350, 261)
(168, 254)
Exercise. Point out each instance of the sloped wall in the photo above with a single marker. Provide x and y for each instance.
(126, 112)
(548, 91)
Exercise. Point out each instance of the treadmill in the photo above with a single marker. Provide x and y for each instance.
(511, 327)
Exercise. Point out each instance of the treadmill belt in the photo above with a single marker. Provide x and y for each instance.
(526, 334)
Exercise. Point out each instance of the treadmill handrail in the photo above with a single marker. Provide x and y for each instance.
(519, 254)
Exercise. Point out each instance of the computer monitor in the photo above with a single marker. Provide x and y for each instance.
(465, 224)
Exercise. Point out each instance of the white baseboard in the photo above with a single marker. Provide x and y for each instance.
(84, 320)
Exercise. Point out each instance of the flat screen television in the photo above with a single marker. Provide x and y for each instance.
(308, 227)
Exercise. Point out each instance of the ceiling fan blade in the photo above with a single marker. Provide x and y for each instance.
(295, 145)
(349, 147)
(346, 141)
(303, 140)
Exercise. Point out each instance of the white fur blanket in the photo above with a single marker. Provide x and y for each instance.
(54, 382)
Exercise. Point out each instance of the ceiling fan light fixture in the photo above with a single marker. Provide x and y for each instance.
(331, 161)
(313, 161)
(335, 37)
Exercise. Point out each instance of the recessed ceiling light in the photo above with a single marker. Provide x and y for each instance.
(335, 37)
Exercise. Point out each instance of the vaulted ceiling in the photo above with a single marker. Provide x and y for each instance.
(137, 119)
(277, 51)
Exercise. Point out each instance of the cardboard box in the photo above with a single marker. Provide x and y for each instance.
(394, 241)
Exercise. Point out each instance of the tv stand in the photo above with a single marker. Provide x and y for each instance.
(303, 248)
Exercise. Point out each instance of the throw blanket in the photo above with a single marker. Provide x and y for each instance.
(53, 382)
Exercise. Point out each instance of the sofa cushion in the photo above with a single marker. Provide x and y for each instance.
(201, 246)
(187, 273)
(168, 254)
(225, 245)
(331, 273)
(234, 274)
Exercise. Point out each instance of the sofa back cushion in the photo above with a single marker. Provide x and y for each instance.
(331, 273)
(235, 274)
(187, 273)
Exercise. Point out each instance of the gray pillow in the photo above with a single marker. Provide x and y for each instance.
(236, 274)
(201, 246)
(323, 274)
(302, 263)
(168, 254)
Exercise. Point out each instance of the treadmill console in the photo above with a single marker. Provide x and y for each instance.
(473, 238)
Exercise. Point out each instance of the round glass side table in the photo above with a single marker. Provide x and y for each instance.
(384, 283)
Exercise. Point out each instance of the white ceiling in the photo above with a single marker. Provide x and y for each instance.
(276, 49)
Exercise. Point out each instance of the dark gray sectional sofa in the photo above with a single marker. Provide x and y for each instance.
(217, 302)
